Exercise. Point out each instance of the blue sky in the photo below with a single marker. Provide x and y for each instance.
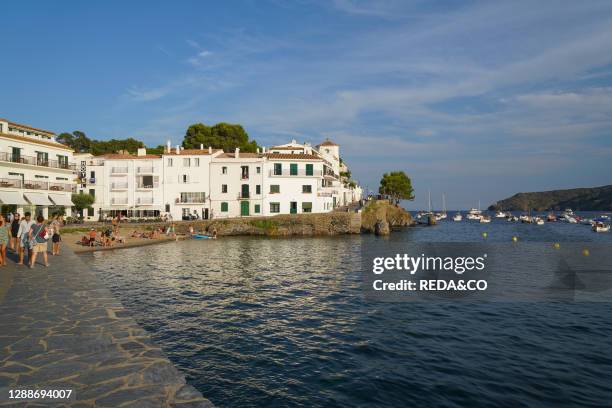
(476, 99)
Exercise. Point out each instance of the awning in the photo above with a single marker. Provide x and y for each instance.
(61, 199)
(12, 197)
(38, 198)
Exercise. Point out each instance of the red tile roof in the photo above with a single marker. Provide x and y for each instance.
(287, 156)
(28, 127)
(328, 142)
(51, 143)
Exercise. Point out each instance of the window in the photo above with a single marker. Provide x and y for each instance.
(167, 208)
(224, 170)
(258, 189)
(38, 176)
(309, 169)
(293, 169)
(185, 178)
(257, 209)
(307, 188)
(224, 207)
(42, 158)
(258, 169)
(169, 161)
(196, 197)
(90, 212)
(244, 172)
(307, 207)
(62, 161)
(196, 162)
(278, 169)
(92, 175)
(274, 188)
(92, 192)
(274, 208)
(62, 178)
(186, 162)
(224, 188)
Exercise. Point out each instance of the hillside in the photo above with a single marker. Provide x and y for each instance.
(585, 199)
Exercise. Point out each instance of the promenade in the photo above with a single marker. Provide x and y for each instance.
(60, 328)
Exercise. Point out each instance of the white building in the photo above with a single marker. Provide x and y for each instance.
(36, 172)
(209, 183)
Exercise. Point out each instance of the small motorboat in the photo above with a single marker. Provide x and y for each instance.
(457, 217)
(551, 217)
(569, 211)
(601, 227)
(512, 218)
(525, 218)
(201, 236)
(500, 214)
(539, 221)
(485, 219)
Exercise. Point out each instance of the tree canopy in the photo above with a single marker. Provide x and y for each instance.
(224, 136)
(81, 143)
(82, 201)
(396, 185)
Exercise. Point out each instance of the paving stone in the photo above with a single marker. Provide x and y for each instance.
(61, 327)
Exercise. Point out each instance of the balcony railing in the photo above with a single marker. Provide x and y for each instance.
(145, 170)
(300, 173)
(119, 170)
(36, 185)
(201, 199)
(119, 200)
(35, 161)
(244, 195)
(147, 185)
(119, 186)
(144, 200)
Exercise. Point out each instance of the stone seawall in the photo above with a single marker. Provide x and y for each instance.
(333, 223)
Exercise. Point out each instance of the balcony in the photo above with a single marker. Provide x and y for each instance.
(144, 200)
(119, 186)
(244, 195)
(300, 173)
(36, 185)
(145, 170)
(119, 201)
(35, 161)
(147, 186)
(191, 198)
(119, 171)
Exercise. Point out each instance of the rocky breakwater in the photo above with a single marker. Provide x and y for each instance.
(381, 217)
(334, 223)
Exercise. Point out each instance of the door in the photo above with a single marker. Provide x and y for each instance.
(205, 213)
(293, 207)
(244, 208)
(244, 193)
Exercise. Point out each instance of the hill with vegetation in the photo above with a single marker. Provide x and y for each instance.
(584, 199)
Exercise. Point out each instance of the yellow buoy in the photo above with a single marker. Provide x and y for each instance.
(585, 252)
(484, 234)
(556, 245)
(515, 239)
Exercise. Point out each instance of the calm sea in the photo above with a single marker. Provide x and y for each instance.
(257, 322)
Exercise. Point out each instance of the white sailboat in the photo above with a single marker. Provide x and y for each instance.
(442, 215)
(474, 214)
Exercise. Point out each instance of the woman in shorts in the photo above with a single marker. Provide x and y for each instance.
(4, 239)
(39, 236)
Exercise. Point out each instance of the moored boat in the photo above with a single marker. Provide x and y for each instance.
(500, 214)
(551, 217)
(485, 219)
(457, 217)
(539, 221)
(601, 227)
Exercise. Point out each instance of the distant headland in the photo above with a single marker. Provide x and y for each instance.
(585, 199)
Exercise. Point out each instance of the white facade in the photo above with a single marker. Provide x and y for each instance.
(207, 183)
(36, 173)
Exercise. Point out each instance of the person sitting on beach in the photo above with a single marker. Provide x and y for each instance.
(84, 240)
(92, 237)
(191, 231)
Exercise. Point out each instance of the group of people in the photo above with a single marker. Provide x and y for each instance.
(107, 238)
(25, 236)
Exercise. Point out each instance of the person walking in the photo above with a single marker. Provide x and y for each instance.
(5, 233)
(39, 237)
(23, 236)
(56, 238)
(14, 230)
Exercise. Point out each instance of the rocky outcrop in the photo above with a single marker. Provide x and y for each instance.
(381, 217)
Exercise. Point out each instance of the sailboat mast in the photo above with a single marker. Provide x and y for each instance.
(429, 201)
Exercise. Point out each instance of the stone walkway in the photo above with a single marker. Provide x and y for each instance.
(60, 328)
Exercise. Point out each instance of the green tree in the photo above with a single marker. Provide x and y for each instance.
(396, 185)
(224, 136)
(82, 201)
(77, 140)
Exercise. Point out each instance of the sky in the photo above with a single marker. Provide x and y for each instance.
(477, 100)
